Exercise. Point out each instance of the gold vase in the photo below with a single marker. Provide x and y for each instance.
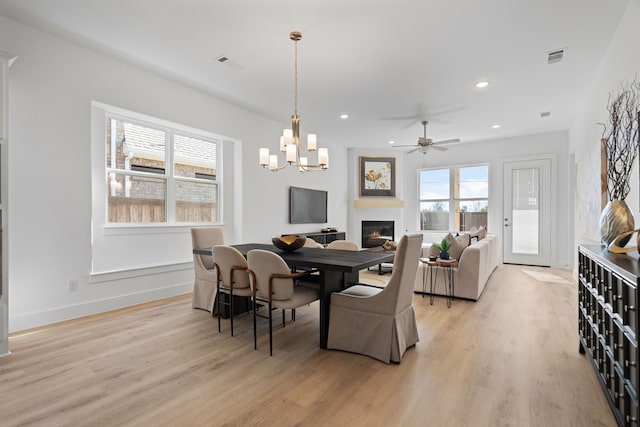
(616, 218)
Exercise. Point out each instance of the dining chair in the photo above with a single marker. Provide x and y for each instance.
(233, 279)
(275, 286)
(379, 322)
(205, 283)
(345, 245)
(310, 243)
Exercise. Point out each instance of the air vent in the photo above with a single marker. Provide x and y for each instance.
(555, 56)
(222, 59)
(545, 114)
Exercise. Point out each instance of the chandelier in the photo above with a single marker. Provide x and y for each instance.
(290, 139)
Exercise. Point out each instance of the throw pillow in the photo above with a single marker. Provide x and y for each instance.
(482, 233)
(433, 251)
(456, 247)
(464, 239)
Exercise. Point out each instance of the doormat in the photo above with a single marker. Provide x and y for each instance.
(543, 276)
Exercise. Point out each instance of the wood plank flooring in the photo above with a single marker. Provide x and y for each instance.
(510, 359)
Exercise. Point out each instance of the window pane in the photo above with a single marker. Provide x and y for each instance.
(474, 182)
(525, 221)
(473, 214)
(434, 184)
(134, 145)
(194, 158)
(136, 199)
(196, 201)
(434, 215)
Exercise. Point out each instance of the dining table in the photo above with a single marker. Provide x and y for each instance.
(338, 269)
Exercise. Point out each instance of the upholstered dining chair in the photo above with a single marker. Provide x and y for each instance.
(275, 286)
(233, 278)
(345, 245)
(379, 322)
(310, 243)
(204, 286)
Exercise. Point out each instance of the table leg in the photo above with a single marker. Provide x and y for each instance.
(331, 281)
(432, 296)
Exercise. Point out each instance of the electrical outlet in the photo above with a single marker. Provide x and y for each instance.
(73, 285)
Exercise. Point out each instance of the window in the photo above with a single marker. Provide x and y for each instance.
(159, 174)
(454, 198)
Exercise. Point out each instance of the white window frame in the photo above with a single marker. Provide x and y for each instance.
(100, 196)
(452, 199)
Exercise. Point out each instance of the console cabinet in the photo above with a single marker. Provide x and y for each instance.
(608, 325)
(326, 238)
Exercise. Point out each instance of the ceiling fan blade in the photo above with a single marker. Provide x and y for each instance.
(447, 141)
(403, 146)
(437, 147)
(411, 151)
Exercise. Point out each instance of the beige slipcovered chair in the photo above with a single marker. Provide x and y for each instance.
(275, 286)
(310, 243)
(233, 278)
(376, 322)
(344, 245)
(204, 286)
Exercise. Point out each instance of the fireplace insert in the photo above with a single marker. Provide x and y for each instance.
(376, 233)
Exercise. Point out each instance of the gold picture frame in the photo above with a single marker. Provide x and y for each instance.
(377, 176)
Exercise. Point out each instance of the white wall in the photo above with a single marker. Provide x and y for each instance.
(621, 63)
(495, 154)
(52, 86)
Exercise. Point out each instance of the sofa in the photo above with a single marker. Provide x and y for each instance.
(475, 264)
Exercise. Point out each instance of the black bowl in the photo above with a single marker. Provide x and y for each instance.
(289, 243)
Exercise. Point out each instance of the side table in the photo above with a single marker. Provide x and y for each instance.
(447, 267)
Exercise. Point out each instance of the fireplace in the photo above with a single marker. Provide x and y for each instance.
(376, 233)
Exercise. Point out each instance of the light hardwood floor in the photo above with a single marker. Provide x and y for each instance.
(510, 359)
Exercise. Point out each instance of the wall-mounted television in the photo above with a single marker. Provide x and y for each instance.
(307, 206)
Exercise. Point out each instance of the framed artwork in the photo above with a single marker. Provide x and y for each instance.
(377, 176)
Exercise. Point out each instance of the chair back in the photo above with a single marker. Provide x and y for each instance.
(264, 264)
(206, 238)
(226, 258)
(310, 243)
(403, 276)
(344, 245)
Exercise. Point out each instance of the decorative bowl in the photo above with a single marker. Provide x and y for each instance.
(289, 243)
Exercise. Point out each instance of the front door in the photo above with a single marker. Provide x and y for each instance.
(527, 212)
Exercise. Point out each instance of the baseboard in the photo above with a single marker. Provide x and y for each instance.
(59, 314)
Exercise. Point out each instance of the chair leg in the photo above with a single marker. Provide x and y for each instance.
(255, 339)
(231, 309)
(270, 331)
(293, 314)
(219, 303)
(283, 322)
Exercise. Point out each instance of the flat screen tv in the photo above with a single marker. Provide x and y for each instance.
(307, 206)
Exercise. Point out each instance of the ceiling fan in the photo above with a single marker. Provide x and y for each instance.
(425, 144)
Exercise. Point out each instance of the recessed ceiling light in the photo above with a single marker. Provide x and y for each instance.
(482, 84)
(392, 142)
(495, 126)
(344, 116)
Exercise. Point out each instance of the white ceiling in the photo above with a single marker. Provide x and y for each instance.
(389, 64)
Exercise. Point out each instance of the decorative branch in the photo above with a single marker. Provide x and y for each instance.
(621, 137)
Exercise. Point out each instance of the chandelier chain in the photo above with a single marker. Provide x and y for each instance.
(295, 79)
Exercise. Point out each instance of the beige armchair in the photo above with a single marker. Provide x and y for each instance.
(379, 322)
(233, 278)
(344, 245)
(275, 286)
(204, 286)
